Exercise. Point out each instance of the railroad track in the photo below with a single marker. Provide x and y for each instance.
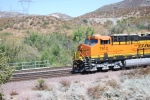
(41, 73)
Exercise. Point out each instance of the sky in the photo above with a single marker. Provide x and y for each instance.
(72, 8)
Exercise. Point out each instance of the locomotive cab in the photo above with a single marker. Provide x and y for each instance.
(84, 50)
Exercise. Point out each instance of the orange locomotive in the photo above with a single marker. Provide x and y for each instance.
(112, 52)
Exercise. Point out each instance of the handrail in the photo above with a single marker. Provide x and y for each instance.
(30, 65)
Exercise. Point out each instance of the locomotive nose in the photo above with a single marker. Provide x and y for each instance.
(84, 51)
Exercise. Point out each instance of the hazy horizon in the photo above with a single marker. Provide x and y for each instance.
(72, 8)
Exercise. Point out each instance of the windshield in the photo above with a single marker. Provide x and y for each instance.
(90, 42)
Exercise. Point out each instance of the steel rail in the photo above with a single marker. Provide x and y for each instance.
(41, 73)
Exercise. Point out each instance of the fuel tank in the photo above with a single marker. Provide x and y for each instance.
(136, 62)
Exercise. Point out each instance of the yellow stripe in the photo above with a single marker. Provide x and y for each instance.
(114, 56)
(125, 55)
(133, 42)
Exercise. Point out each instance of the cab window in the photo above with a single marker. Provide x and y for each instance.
(105, 42)
(91, 41)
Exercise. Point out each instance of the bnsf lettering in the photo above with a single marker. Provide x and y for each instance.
(144, 45)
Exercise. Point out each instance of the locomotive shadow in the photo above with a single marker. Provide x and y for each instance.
(109, 70)
(93, 72)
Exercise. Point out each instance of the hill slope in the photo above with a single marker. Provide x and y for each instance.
(122, 9)
(6, 14)
(60, 16)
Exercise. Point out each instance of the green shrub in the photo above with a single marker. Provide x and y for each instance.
(85, 21)
(52, 47)
(6, 26)
(41, 85)
(46, 22)
(66, 26)
(6, 71)
(57, 48)
(1, 29)
(81, 33)
(1, 96)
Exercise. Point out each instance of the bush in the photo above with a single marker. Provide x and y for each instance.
(14, 93)
(1, 96)
(6, 71)
(80, 34)
(108, 24)
(66, 26)
(85, 21)
(11, 50)
(46, 22)
(148, 27)
(6, 26)
(112, 83)
(41, 84)
(57, 48)
(1, 29)
(117, 30)
(65, 83)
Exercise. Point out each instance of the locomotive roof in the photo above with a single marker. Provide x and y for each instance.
(123, 34)
(101, 37)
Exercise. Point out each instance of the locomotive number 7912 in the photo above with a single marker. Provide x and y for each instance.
(103, 48)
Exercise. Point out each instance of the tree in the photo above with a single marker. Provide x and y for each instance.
(5, 71)
(81, 33)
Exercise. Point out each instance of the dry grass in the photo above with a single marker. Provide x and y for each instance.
(106, 76)
(112, 83)
(72, 96)
(144, 71)
(95, 92)
(27, 99)
(77, 82)
(103, 13)
(131, 74)
(65, 83)
(137, 72)
(13, 93)
(98, 79)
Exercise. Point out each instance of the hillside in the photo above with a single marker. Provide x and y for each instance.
(6, 14)
(126, 8)
(60, 16)
(45, 24)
